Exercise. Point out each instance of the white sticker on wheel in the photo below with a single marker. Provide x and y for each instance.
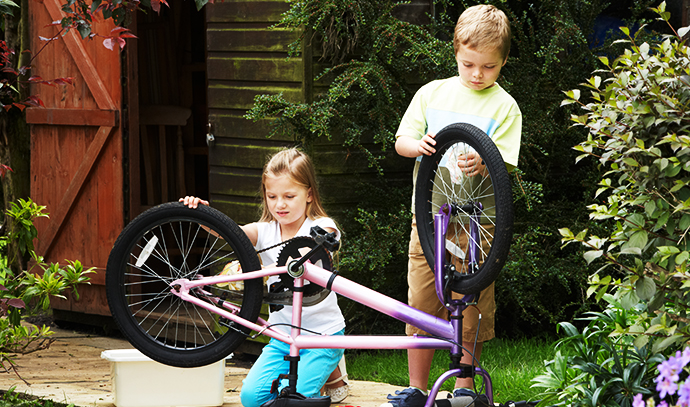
(455, 250)
(148, 249)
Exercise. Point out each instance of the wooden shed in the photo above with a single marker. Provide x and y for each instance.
(158, 120)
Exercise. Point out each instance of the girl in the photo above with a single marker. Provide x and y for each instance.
(290, 207)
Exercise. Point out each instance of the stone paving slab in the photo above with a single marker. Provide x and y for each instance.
(72, 371)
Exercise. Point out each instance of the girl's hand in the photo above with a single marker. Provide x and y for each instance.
(471, 164)
(426, 145)
(193, 201)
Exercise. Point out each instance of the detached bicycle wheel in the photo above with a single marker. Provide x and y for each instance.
(481, 207)
(169, 242)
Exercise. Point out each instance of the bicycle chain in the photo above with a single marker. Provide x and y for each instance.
(283, 298)
(284, 242)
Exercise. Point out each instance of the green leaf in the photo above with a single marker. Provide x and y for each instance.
(631, 250)
(668, 250)
(663, 343)
(682, 31)
(592, 255)
(641, 341)
(657, 302)
(566, 233)
(631, 162)
(573, 94)
(644, 49)
(684, 222)
(645, 288)
(200, 3)
(84, 30)
(638, 239)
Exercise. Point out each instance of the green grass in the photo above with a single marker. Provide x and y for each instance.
(9, 398)
(511, 364)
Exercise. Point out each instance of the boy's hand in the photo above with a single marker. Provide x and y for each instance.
(193, 201)
(408, 146)
(471, 164)
(426, 145)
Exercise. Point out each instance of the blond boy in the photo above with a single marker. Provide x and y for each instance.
(481, 42)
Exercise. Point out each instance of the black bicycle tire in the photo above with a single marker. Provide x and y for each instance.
(117, 267)
(495, 260)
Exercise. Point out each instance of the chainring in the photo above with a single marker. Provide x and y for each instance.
(281, 291)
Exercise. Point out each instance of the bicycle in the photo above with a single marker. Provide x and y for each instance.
(166, 293)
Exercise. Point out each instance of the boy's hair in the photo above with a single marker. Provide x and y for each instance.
(298, 166)
(481, 28)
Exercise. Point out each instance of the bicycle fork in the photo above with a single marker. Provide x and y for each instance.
(456, 307)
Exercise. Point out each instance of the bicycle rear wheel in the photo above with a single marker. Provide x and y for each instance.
(480, 228)
(169, 242)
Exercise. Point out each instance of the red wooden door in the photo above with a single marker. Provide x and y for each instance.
(76, 152)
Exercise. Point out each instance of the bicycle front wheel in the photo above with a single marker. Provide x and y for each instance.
(481, 206)
(169, 242)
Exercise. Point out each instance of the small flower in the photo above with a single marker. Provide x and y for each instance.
(684, 394)
(669, 369)
(638, 401)
(665, 386)
(685, 357)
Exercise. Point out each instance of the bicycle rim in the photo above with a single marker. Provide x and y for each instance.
(480, 227)
(170, 242)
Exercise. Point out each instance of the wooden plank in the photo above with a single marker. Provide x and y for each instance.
(226, 66)
(241, 212)
(246, 11)
(227, 125)
(82, 60)
(108, 196)
(238, 183)
(231, 96)
(67, 201)
(249, 39)
(72, 117)
(241, 156)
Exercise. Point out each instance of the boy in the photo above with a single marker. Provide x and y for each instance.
(481, 42)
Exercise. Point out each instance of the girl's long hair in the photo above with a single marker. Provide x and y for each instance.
(298, 166)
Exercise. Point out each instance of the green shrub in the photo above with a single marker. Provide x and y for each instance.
(599, 369)
(25, 291)
(638, 125)
(635, 114)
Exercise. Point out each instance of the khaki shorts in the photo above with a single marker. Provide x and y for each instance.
(422, 295)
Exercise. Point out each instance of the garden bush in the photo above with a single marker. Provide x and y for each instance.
(634, 110)
(25, 292)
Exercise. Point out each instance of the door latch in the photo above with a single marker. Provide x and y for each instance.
(210, 139)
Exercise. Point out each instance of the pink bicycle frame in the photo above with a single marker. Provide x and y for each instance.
(447, 334)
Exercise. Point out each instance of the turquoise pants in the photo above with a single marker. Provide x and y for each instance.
(315, 365)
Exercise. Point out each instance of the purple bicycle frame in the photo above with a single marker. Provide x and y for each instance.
(447, 334)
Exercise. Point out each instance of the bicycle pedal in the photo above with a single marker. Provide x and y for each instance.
(298, 400)
(463, 401)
